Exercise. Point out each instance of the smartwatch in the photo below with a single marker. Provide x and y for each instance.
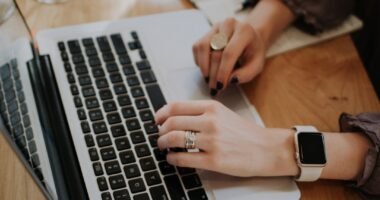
(310, 153)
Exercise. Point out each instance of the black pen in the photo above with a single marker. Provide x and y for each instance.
(247, 4)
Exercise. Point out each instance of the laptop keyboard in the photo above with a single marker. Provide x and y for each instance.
(14, 111)
(115, 98)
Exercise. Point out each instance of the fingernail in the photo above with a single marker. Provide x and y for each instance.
(234, 80)
(207, 79)
(213, 92)
(219, 85)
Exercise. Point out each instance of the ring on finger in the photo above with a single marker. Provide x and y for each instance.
(190, 139)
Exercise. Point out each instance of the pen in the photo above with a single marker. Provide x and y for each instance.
(247, 4)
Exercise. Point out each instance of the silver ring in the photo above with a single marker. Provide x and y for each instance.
(190, 139)
(218, 42)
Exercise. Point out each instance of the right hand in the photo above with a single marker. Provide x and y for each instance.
(245, 48)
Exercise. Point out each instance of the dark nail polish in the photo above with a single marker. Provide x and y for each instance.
(213, 92)
(219, 85)
(234, 80)
(207, 79)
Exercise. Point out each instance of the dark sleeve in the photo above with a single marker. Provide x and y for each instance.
(369, 124)
(315, 16)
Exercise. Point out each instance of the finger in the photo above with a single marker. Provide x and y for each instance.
(248, 71)
(181, 108)
(228, 27)
(195, 53)
(215, 61)
(194, 123)
(174, 139)
(203, 51)
(197, 160)
(234, 49)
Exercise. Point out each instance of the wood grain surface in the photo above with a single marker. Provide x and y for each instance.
(313, 85)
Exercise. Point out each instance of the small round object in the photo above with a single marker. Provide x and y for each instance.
(218, 42)
(190, 139)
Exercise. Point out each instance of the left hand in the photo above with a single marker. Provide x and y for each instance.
(229, 144)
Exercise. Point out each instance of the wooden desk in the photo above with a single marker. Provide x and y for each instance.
(308, 86)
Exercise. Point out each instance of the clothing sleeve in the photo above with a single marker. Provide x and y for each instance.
(369, 124)
(315, 16)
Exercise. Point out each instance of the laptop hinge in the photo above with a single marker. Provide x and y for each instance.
(67, 175)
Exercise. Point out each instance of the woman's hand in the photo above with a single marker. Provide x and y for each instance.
(240, 61)
(228, 143)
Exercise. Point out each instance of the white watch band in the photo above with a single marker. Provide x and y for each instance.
(307, 173)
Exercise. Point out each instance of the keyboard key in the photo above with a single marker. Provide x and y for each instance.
(174, 187)
(98, 72)
(85, 80)
(21, 142)
(106, 196)
(15, 118)
(133, 81)
(142, 150)
(74, 46)
(98, 170)
(26, 121)
(95, 115)
(124, 100)
(24, 109)
(151, 128)
(112, 67)
(131, 171)
(128, 70)
(38, 173)
(85, 127)
(88, 91)
(81, 69)
(5, 72)
(100, 127)
(146, 115)
(90, 52)
(152, 178)
(136, 185)
(134, 35)
(156, 96)
(113, 118)
(160, 155)
(78, 59)
(102, 184)
(92, 103)
(116, 78)
(74, 90)
(101, 83)
(94, 156)
(29, 133)
(158, 193)
(148, 77)
(94, 61)
(118, 131)
(191, 181)
(13, 106)
(122, 144)
(18, 130)
(142, 54)
(61, 46)
(137, 92)
(120, 89)
(153, 140)
(21, 97)
(125, 60)
(109, 106)
(103, 44)
(121, 195)
(198, 194)
(166, 168)
(133, 124)
(103, 140)
(143, 196)
(141, 103)
(89, 140)
(118, 44)
(112, 167)
(127, 157)
(67, 67)
(108, 57)
(147, 164)
(105, 94)
(82, 114)
(10, 95)
(108, 153)
(88, 42)
(185, 170)
(71, 78)
(134, 45)
(143, 65)
(137, 137)
(64, 56)
(18, 85)
(128, 112)
(35, 160)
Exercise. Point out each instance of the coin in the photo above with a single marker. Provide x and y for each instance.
(218, 41)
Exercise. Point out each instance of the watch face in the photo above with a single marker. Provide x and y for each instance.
(311, 148)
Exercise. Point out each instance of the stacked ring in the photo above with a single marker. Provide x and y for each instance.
(190, 139)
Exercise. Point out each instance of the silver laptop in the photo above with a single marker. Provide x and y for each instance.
(78, 110)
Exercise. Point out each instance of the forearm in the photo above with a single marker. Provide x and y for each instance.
(345, 154)
(270, 18)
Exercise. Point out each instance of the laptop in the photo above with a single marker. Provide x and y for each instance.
(78, 109)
